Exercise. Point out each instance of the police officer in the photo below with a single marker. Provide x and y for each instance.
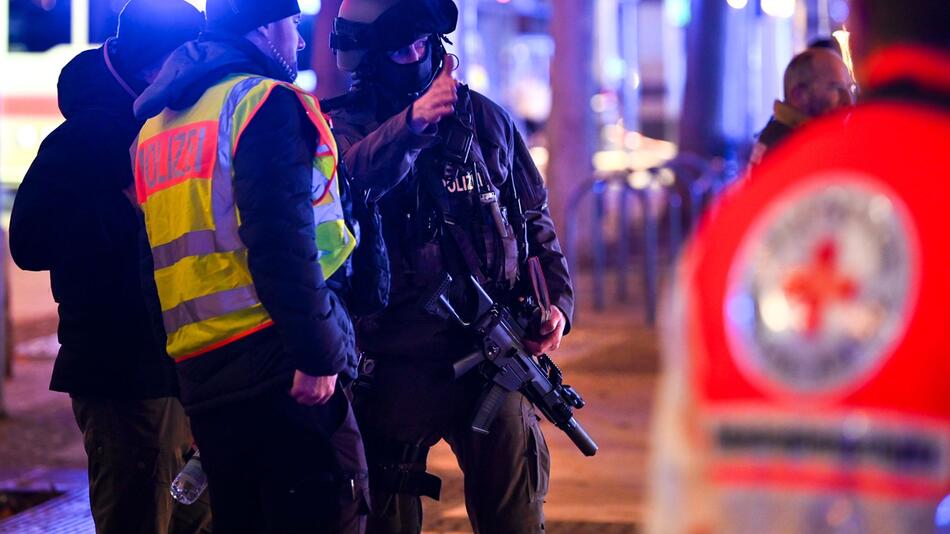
(804, 385)
(236, 172)
(458, 193)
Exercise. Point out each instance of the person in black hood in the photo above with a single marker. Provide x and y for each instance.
(72, 218)
(458, 193)
(264, 346)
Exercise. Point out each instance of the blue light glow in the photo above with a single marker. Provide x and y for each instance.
(942, 518)
(677, 12)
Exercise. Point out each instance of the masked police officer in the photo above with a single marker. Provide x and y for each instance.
(458, 193)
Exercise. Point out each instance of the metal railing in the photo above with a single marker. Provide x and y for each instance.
(669, 200)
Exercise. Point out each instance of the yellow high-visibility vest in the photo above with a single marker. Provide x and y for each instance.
(185, 185)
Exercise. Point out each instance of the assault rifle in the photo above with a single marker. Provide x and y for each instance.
(509, 367)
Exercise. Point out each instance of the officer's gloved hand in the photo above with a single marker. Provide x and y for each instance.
(439, 101)
(549, 335)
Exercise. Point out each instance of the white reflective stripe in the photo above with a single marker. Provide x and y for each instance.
(208, 307)
(223, 209)
(198, 243)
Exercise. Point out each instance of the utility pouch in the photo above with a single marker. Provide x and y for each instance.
(457, 144)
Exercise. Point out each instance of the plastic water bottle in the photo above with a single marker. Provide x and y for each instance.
(190, 482)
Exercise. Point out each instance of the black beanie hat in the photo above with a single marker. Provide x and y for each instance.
(151, 29)
(241, 16)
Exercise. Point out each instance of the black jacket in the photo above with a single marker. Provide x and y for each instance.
(272, 184)
(382, 154)
(72, 218)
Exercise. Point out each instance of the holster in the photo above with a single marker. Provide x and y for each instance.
(401, 468)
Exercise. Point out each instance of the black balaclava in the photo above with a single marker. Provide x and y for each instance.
(399, 85)
(411, 79)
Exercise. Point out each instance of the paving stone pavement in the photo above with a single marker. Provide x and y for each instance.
(610, 357)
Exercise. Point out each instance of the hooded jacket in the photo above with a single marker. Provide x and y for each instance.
(272, 187)
(71, 218)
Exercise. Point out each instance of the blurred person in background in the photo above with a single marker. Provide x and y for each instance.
(816, 83)
(805, 340)
(432, 152)
(826, 43)
(72, 218)
(236, 172)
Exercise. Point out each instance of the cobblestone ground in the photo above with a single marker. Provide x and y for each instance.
(610, 357)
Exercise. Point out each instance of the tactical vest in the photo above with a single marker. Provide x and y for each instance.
(184, 184)
(464, 208)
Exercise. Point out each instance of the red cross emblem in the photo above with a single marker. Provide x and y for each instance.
(819, 284)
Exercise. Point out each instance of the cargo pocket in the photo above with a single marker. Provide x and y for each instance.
(537, 458)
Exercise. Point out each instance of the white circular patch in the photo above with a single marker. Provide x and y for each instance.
(821, 289)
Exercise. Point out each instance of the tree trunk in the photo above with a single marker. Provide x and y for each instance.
(330, 81)
(701, 123)
(571, 129)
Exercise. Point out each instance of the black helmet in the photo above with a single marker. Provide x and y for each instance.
(385, 25)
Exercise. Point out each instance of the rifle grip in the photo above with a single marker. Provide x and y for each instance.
(466, 364)
(488, 406)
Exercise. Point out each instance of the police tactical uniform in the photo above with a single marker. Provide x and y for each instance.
(236, 173)
(464, 198)
(805, 380)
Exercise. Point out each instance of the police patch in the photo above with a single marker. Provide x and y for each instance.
(821, 289)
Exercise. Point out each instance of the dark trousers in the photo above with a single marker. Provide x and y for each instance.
(275, 466)
(506, 472)
(135, 448)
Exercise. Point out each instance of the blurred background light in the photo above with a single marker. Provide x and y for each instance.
(634, 80)
(310, 7)
(307, 80)
(477, 77)
(784, 9)
(843, 36)
(737, 4)
(677, 12)
(838, 10)
(942, 519)
(614, 71)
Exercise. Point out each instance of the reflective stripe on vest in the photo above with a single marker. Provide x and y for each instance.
(184, 183)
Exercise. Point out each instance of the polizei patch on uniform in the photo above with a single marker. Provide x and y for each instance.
(820, 290)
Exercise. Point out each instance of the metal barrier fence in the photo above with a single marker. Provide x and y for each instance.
(669, 200)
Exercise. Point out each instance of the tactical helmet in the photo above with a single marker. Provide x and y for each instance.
(385, 25)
